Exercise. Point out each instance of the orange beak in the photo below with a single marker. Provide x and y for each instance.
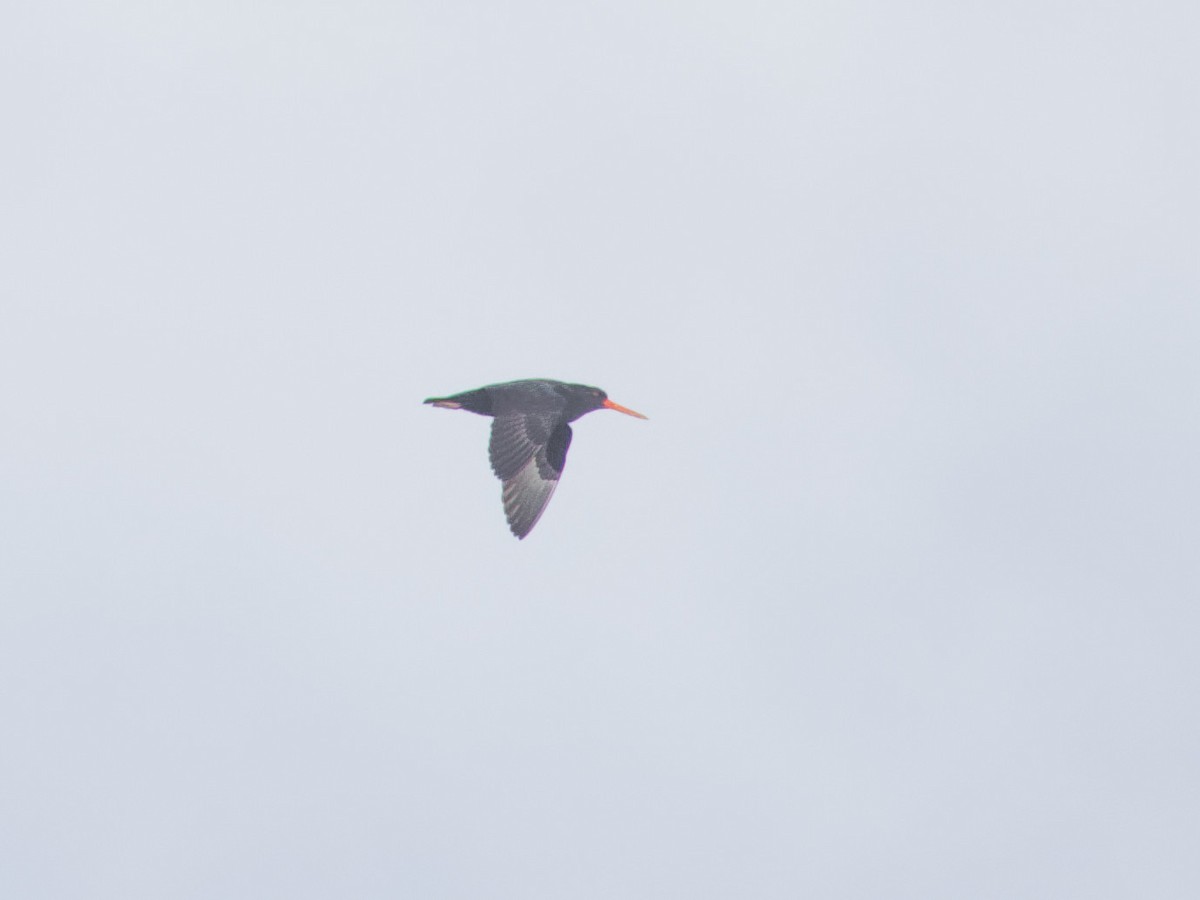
(608, 404)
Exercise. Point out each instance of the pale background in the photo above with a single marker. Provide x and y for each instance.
(894, 596)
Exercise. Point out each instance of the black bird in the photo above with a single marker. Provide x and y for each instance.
(530, 437)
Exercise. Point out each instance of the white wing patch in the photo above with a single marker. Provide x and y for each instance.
(525, 496)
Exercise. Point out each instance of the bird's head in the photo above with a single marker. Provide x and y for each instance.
(586, 399)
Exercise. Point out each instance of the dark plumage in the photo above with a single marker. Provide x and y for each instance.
(530, 437)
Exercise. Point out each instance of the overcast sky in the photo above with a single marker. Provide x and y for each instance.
(893, 596)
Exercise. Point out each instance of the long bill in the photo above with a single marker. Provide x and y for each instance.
(608, 404)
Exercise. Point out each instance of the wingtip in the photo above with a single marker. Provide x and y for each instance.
(514, 525)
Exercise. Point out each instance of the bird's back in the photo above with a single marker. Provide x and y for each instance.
(538, 396)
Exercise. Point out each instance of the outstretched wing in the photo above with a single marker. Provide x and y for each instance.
(528, 451)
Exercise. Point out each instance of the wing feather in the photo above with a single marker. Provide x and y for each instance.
(527, 452)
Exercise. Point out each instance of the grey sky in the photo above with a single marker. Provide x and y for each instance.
(895, 595)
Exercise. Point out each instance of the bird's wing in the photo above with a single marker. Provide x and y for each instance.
(528, 451)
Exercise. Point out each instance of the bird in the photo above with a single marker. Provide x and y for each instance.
(530, 437)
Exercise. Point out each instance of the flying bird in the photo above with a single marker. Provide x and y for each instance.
(530, 437)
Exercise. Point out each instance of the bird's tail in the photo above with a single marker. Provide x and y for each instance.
(479, 401)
